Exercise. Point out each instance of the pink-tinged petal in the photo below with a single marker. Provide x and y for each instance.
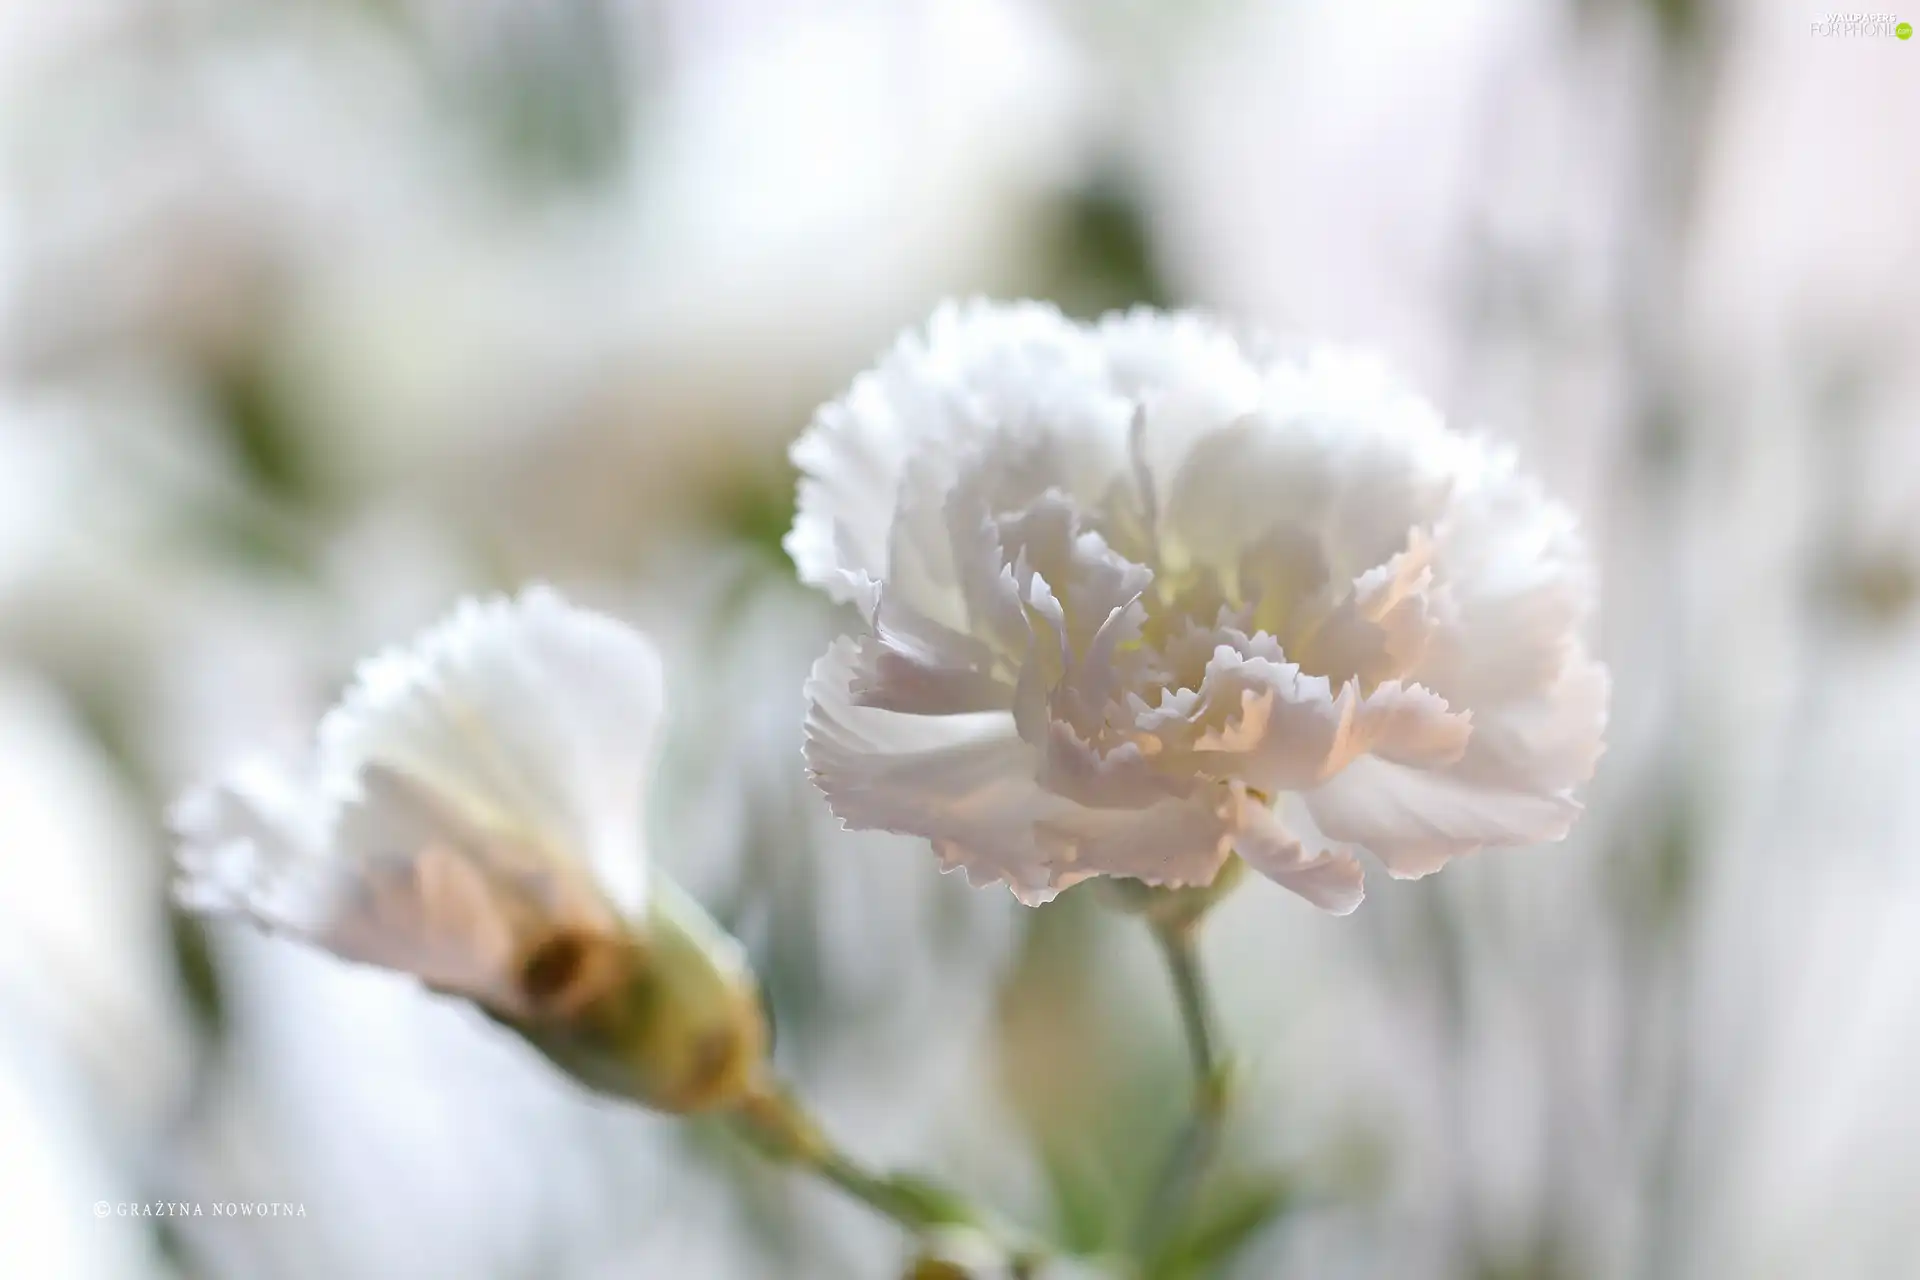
(883, 769)
(1411, 725)
(970, 785)
(1171, 842)
(987, 585)
(1122, 776)
(912, 664)
(1381, 630)
(1414, 819)
(1330, 879)
(528, 714)
(1269, 725)
(1049, 540)
(451, 902)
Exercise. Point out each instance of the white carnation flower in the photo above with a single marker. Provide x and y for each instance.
(474, 798)
(1138, 599)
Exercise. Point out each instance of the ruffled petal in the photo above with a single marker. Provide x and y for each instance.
(1186, 373)
(397, 879)
(1414, 820)
(1545, 743)
(1022, 369)
(912, 664)
(1411, 725)
(528, 717)
(1518, 585)
(1330, 879)
(1269, 725)
(254, 846)
(458, 905)
(1381, 630)
(850, 462)
(970, 784)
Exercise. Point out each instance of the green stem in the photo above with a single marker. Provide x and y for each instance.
(1199, 1141)
(1179, 944)
(774, 1122)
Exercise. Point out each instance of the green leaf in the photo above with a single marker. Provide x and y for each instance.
(931, 1202)
(1229, 1220)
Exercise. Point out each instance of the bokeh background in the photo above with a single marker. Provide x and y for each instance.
(317, 314)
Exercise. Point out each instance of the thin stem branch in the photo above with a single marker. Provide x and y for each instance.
(1178, 943)
(773, 1121)
(1199, 1141)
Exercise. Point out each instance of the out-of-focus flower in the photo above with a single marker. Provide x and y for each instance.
(93, 1050)
(56, 1167)
(473, 816)
(567, 382)
(80, 898)
(247, 157)
(482, 256)
(1139, 599)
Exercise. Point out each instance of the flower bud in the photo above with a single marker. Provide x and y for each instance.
(473, 814)
(963, 1254)
(668, 1016)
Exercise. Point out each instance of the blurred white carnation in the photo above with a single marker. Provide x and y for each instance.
(350, 213)
(1131, 587)
(84, 948)
(246, 157)
(576, 363)
(58, 1170)
(93, 1045)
